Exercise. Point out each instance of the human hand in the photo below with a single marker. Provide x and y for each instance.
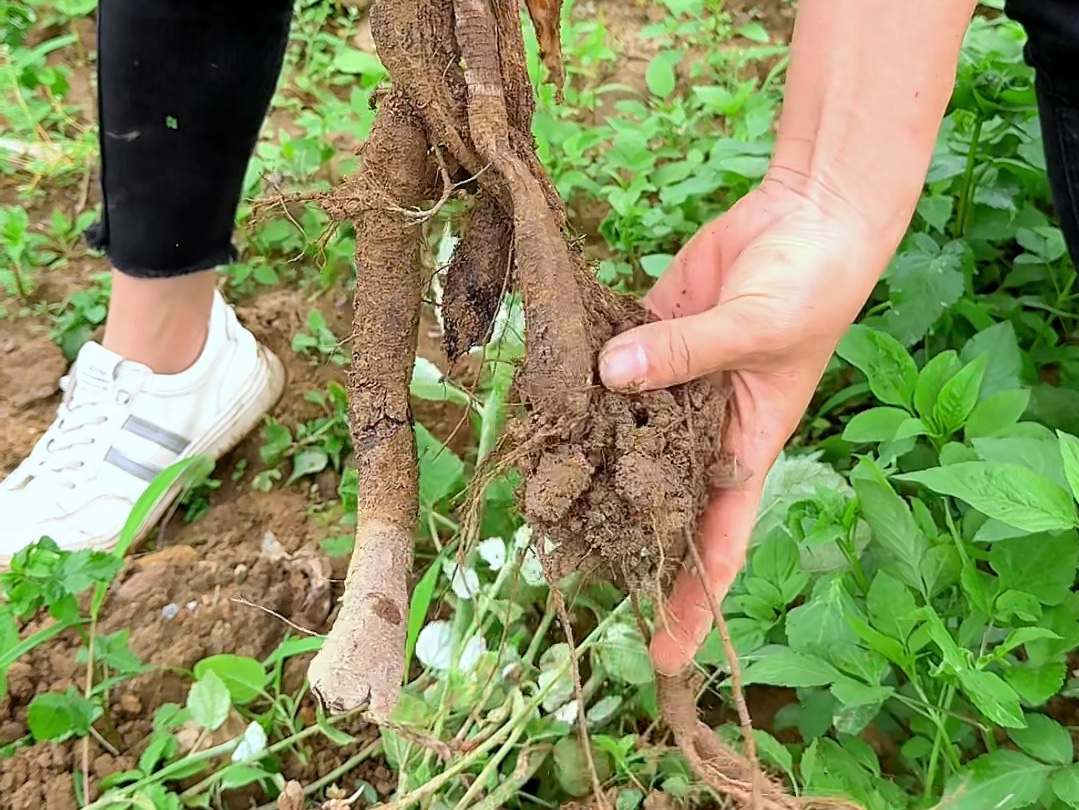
(761, 296)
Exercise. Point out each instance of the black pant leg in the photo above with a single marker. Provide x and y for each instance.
(184, 87)
(1052, 28)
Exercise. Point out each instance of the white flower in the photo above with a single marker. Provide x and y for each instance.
(568, 713)
(434, 647)
(493, 552)
(464, 580)
(251, 744)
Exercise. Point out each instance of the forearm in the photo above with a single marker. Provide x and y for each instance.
(867, 86)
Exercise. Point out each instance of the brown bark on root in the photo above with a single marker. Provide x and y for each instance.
(614, 483)
(361, 660)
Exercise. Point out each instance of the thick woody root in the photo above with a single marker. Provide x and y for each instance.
(725, 770)
(362, 659)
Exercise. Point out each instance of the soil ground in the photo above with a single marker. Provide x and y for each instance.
(258, 546)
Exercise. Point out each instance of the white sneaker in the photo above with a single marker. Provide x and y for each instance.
(119, 425)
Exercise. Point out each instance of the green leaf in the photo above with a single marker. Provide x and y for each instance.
(309, 461)
(243, 677)
(422, 596)
(958, 397)
(1036, 684)
(1043, 565)
(1010, 493)
(924, 282)
(820, 626)
(875, 425)
(209, 701)
(891, 606)
(1040, 455)
(997, 413)
(660, 76)
(624, 655)
(440, 468)
(238, 776)
(1020, 636)
(1065, 784)
(892, 523)
(355, 61)
(429, 383)
(1004, 359)
(1044, 739)
(655, 264)
(931, 380)
(936, 211)
(571, 765)
(888, 367)
(993, 697)
(785, 667)
(1069, 451)
(55, 717)
(1002, 780)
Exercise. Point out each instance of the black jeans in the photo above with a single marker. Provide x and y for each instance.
(1052, 49)
(184, 86)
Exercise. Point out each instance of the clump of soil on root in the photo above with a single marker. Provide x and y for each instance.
(618, 492)
(614, 484)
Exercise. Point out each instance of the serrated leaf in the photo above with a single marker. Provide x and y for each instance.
(923, 283)
(1065, 784)
(56, 717)
(1007, 492)
(993, 697)
(891, 606)
(888, 367)
(1069, 451)
(785, 667)
(1036, 684)
(931, 379)
(958, 397)
(624, 655)
(209, 701)
(1044, 739)
(892, 523)
(1042, 565)
(1002, 780)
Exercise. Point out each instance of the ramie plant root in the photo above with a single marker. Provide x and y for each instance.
(614, 483)
(362, 659)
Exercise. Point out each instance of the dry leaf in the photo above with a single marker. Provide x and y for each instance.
(291, 797)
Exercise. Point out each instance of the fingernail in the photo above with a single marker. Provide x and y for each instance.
(623, 366)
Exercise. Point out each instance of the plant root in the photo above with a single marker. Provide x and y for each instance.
(362, 658)
(613, 483)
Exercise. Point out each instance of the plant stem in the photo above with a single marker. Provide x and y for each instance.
(931, 771)
(180, 765)
(966, 196)
(366, 753)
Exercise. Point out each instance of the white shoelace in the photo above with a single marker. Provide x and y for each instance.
(65, 450)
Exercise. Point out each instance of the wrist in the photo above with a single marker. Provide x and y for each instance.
(873, 224)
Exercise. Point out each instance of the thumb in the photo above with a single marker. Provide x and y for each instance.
(665, 353)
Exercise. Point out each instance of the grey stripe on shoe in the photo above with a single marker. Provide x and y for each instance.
(143, 471)
(158, 435)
